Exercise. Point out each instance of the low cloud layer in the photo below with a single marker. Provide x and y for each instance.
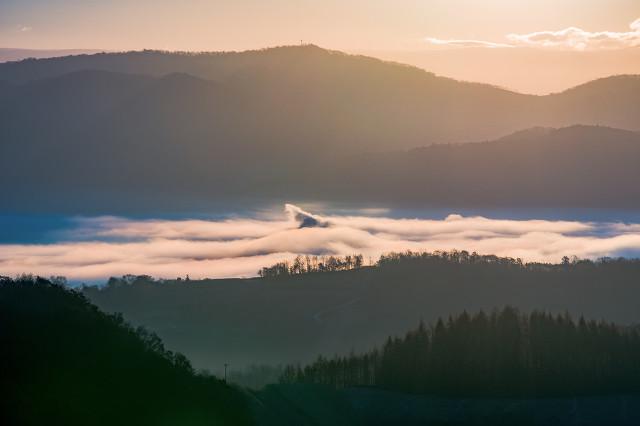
(107, 246)
(571, 38)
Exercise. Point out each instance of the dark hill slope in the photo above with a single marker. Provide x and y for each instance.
(65, 362)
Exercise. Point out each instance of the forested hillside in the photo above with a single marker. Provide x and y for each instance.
(64, 362)
(340, 306)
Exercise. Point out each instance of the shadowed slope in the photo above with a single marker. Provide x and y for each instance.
(65, 362)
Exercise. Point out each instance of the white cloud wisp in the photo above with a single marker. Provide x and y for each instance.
(579, 39)
(466, 43)
(572, 38)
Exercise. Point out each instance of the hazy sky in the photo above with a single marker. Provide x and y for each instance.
(396, 26)
(342, 24)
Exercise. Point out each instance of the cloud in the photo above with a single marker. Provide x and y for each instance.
(97, 248)
(305, 219)
(466, 43)
(571, 38)
(25, 29)
(579, 39)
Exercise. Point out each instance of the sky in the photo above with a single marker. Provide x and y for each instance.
(100, 247)
(428, 33)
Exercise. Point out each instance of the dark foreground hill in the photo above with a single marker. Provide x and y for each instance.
(296, 318)
(66, 363)
(112, 132)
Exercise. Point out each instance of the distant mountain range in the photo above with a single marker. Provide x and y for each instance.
(105, 130)
(9, 54)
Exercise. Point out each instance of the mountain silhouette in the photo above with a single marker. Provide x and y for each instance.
(386, 104)
(138, 127)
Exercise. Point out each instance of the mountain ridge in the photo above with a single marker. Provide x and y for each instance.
(578, 166)
(241, 124)
(84, 59)
(404, 104)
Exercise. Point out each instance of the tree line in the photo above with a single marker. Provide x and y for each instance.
(503, 353)
(315, 264)
(312, 264)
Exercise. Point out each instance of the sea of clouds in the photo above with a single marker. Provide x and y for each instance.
(97, 248)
